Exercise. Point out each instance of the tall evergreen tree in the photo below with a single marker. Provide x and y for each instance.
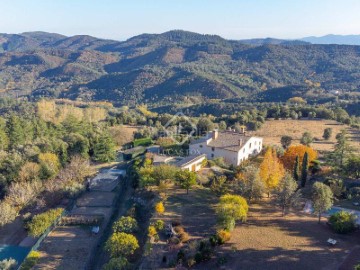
(104, 149)
(15, 131)
(297, 169)
(304, 169)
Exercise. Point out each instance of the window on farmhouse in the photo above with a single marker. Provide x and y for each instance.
(213, 148)
(200, 146)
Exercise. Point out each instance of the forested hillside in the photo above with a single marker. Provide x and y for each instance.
(177, 65)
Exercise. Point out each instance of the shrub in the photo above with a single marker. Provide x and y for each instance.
(39, 223)
(180, 256)
(125, 224)
(7, 213)
(159, 225)
(8, 264)
(116, 264)
(174, 241)
(191, 262)
(179, 229)
(142, 142)
(184, 237)
(343, 222)
(121, 244)
(223, 236)
(357, 267)
(152, 231)
(30, 260)
(204, 252)
(73, 189)
(159, 208)
(220, 238)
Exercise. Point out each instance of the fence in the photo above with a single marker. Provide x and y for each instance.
(45, 234)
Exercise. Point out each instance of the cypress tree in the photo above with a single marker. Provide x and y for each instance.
(296, 169)
(305, 168)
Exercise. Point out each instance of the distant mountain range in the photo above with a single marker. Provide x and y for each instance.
(334, 39)
(176, 65)
(328, 39)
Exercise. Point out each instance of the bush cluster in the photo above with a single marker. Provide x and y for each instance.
(39, 223)
(343, 222)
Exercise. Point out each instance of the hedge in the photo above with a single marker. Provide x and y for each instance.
(41, 222)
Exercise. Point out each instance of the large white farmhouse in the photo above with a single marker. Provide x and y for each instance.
(234, 147)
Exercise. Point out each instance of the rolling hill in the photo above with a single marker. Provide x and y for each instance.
(176, 65)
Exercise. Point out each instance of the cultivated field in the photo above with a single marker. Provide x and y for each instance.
(273, 130)
(67, 247)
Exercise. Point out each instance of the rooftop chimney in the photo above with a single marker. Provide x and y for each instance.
(242, 129)
(240, 142)
(215, 134)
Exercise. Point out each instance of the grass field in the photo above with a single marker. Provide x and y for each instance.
(273, 130)
(266, 241)
(269, 241)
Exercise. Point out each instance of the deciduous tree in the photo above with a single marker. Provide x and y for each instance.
(286, 193)
(271, 170)
(322, 198)
(289, 157)
(251, 185)
(186, 179)
(286, 141)
(327, 133)
(306, 139)
(230, 209)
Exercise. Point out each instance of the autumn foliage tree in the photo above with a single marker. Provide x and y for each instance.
(230, 209)
(159, 208)
(289, 157)
(271, 170)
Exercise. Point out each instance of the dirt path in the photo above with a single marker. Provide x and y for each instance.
(72, 247)
(99, 257)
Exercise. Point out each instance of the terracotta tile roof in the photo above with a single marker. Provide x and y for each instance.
(229, 140)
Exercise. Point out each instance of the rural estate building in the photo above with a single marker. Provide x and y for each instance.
(191, 163)
(234, 147)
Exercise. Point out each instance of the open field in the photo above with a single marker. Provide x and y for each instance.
(67, 247)
(273, 130)
(269, 241)
(266, 241)
(195, 211)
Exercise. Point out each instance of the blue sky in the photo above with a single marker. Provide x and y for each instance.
(233, 19)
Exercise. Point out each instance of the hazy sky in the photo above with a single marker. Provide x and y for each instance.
(234, 19)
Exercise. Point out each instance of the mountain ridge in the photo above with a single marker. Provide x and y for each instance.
(175, 65)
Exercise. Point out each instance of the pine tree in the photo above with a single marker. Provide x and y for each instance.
(104, 149)
(304, 170)
(15, 131)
